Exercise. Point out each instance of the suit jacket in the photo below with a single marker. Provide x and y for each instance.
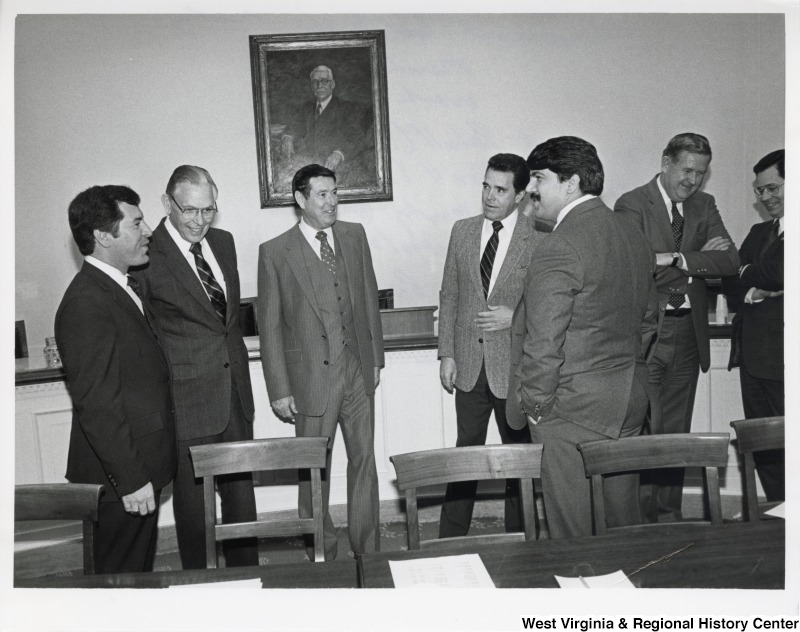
(645, 207)
(203, 352)
(461, 298)
(294, 342)
(586, 299)
(343, 125)
(123, 431)
(761, 323)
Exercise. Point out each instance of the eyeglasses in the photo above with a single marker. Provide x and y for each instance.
(321, 82)
(191, 213)
(772, 189)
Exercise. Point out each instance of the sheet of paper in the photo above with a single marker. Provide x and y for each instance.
(453, 571)
(617, 579)
(239, 583)
(778, 511)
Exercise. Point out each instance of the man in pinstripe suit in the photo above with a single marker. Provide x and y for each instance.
(484, 275)
(322, 345)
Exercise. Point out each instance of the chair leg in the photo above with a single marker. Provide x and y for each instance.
(412, 519)
(210, 504)
(316, 512)
(88, 547)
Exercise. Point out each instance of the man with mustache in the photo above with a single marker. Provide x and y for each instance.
(487, 260)
(756, 294)
(691, 243)
(123, 432)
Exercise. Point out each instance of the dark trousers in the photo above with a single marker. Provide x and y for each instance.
(567, 490)
(765, 398)
(350, 408)
(236, 494)
(473, 409)
(125, 543)
(673, 372)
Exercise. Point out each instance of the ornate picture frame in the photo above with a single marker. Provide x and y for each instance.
(350, 134)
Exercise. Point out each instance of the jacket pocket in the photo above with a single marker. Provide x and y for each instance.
(146, 425)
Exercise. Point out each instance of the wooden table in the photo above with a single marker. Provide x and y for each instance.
(732, 555)
(337, 574)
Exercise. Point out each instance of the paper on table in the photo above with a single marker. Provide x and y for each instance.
(239, 583)
(617, 579)
(453, 571)
(778, 511)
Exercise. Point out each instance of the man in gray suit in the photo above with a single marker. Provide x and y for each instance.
(192, 286)
(590, 313)
(487, 260)
(322, 345)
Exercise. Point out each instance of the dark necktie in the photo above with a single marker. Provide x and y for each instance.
(137, 289)
(774, 235)
(676, 300)
(319, 110)
(213, 289)
(487, 260)
(328, 258)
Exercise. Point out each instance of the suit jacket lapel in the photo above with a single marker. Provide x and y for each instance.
(660, 215)
(122, 299)
(691, 226)
(180, 268)
(516, 248)
(225, 259)
(472, 246)
(294, 256)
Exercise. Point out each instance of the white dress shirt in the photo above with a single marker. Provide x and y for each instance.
(503, 239)
(208, 255)
(311, 237)
(117, 277)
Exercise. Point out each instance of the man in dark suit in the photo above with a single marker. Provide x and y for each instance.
(484, 273)
(123, 434)
(192, 285)
(686, 231)
(582, 375)
(332, 132)
(322, 345)
(756, 294)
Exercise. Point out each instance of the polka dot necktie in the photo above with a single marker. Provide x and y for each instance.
(328, 258)
(487, 260)
(676, 300)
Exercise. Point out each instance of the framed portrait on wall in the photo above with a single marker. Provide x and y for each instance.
(321, 98)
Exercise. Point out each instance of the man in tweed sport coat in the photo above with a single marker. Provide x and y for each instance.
(484, 274)
(322, 345)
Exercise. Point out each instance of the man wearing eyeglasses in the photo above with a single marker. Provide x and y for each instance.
(331, 132)
(192, 286)
(686, 231)
(756, 294)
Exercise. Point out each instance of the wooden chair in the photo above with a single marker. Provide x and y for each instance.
(607, 456)
(449, 465)
(62, 501)
(254, 456)
(755, 435)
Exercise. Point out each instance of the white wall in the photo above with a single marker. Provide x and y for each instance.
(125, 99)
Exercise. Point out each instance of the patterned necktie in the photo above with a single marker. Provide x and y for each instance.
(213, 289)
(487, 260)
(325, 250)
(676, 300)
(137, 289)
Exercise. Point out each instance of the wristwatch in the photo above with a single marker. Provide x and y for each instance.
(676, 259)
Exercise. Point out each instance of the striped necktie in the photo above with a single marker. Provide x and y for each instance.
(487, 260)
(212, 287)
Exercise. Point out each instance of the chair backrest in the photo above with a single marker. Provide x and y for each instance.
(255, 456)
(755, 435)
(607, 456)
(473, 463)
(62, 501)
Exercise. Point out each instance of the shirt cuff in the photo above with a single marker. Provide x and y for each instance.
(748, 298)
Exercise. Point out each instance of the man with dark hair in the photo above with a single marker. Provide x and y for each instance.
(756, 294)
(123, 434)
(192, 285)
(487, 259)
(322, 346)
(590, 316)
(331, 131)
(691, 243)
